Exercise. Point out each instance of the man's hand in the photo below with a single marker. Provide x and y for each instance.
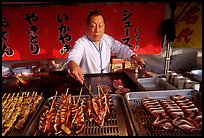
(137, 60)
(76, 72)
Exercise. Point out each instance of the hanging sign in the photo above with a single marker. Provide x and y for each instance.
(188, 21)
(51, 31)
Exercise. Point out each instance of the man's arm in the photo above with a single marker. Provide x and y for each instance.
(76, 71)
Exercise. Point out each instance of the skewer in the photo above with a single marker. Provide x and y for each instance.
(17, 94)
(8, 96)
(51, 107)
(5, 101)
(4, 95)
(13, 95)
(33, 94)
(53, 100)
(28, 94)
(79, 96)
(98, 90)
(101, 89)
(9, 101)
(106, 103)
(67, 91)
(22, 94)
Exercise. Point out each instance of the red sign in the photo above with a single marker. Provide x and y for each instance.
(50, 32)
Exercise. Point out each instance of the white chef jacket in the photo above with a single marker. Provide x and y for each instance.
(93, 61)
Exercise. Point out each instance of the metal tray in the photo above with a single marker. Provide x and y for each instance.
(30, 118)
(107, 79)
(151, 84)
(142, 119)
(119, 125)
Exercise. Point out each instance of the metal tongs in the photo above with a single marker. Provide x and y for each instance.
(89, 90)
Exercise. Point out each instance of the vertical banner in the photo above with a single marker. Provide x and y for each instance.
(188, 21)
(51, 31)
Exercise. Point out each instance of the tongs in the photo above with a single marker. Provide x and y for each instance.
(89, 90)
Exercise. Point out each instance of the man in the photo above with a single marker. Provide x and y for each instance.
(91, 53)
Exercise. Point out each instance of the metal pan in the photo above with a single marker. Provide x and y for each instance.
(119, 125)
(151, 84)
(142, 119)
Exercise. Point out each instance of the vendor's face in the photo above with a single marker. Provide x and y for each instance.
(96, 28)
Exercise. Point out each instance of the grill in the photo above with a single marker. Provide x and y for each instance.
(119, 123)
(22, 131)
(142, 119)
(110, 128)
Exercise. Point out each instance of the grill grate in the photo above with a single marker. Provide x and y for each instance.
(117, 125)
(110, 127)
(147, 119)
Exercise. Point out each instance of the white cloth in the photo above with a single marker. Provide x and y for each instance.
(93, 61)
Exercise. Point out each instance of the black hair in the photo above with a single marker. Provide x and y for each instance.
(93, 13)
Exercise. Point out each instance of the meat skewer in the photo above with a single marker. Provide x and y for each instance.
(15, 113)
(9, 101)
(4, 102)
(78, 121)
(157, 110)
(8, 111)
(36, 101)
(27, 109)
(171, 108)
(107, 100)
(2, 99)
(154, 107)
(163, 122)
(89, 111)
(196, 118)
(186, 105)
(46, 122)
(184, 124)
(62, 118)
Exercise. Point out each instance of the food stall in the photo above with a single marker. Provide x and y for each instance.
(40, 98)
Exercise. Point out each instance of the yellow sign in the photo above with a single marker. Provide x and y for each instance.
(188, 23)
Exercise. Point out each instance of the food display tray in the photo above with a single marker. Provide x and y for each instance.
(154, 83)
(22, 131)
(119, 124)
(142, 119)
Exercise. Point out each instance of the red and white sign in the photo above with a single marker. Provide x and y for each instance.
(50, 31)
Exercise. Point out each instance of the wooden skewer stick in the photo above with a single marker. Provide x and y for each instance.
(4, 95)
(79, 96)
(28, 94)
(66, 95)
(8, 96)
(17, 94)
(13, 95)
(101, 89)
(67, 91)
(98, 88)
(53, 100)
